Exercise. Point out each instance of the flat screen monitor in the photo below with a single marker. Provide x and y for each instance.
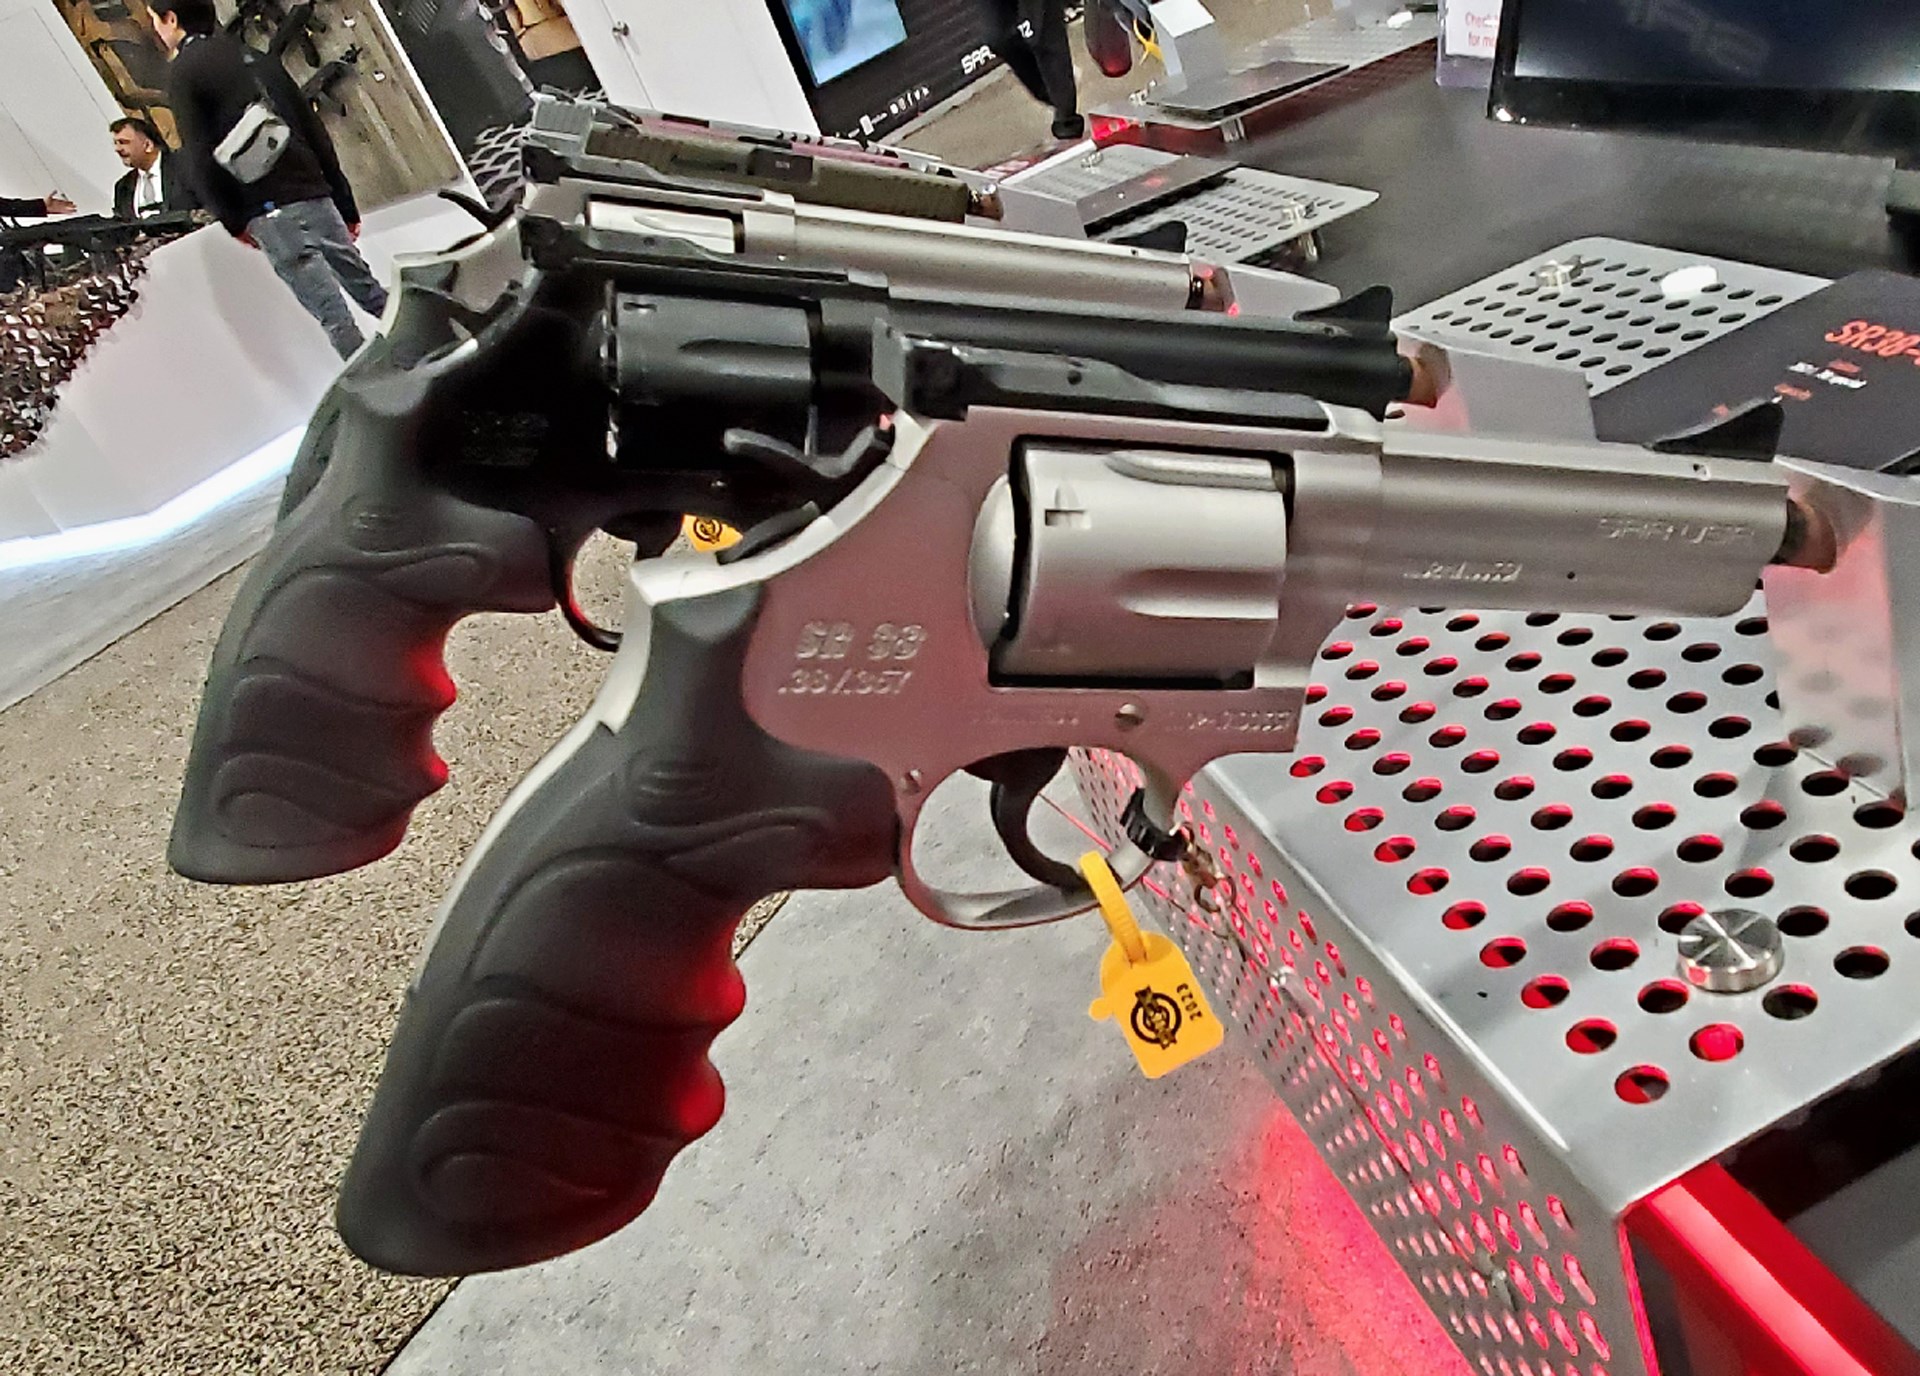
(835, 36)
(1842, 75)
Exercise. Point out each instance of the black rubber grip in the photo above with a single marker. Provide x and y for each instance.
(551, 1058)
(315, 738)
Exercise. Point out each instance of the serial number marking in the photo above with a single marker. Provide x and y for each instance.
(834, 640)
(1445, 571)
(847, 683)
(1241, 720)
(1655, 531)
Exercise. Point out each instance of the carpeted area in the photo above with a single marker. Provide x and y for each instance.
(184, 1067)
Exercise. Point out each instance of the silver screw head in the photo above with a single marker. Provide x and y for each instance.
(1555, 275)
(1731, 951)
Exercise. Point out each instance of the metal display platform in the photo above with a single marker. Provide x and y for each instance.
(1454, 941)
(1245, 217)
(1330, 39)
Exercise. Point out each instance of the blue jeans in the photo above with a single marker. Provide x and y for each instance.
(309, 247)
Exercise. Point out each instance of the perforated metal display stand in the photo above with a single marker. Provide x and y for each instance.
(1248, 215)
(1597, 305)
(1454, 938)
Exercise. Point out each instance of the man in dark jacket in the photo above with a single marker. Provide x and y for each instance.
(301, 212)
(1031, 37)
(155, 182)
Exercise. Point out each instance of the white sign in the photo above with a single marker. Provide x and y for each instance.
(1473, 28)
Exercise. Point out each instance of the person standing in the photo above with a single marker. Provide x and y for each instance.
(1031, 36)
(300, 212)
(154, 183)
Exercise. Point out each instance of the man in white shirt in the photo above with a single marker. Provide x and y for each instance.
(153, 184)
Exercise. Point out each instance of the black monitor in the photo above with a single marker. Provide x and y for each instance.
(1840, 75)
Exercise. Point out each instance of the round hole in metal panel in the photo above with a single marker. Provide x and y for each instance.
(1422, 791)
(1879, 815)
(1913, 924)
(1463, 917)
(1752, 625)
(1661, 630)
(1592, 1036)
(1363, 739)
(1524, 663)
(1871, 885)
(1470, 687)
(1741, 675)
(1664, 996)
(1749, 883)
(1481, 762)
(1643, 1084)
(1447, 737)
(1336, 716)
(1570, 760)
(1637, 882)
(1861, 962)
(1729, 728)
(1698, 850)
(1654, 816)
(1389, 691)
(1466, 621)
(1362, 669)
(1427, 882)
(1575, 635)
(1557, 683)
(1394, 849)
(1455, 818)
(1503, 710)
(1617, 953)
(1441, 666)
(1552, 818)
(1790, 1002)
(1609, 658)
(1365, 819)
(1612, 786)
(1493, 640)
(1491, 848)
(1720, 1041)
(1503, 952)
(1764, 815)
(1804, 921)
(1570, 917)
(1591, 849)
(1533, 879)
(1538, 619)
(1539, 733)
(1672, 756)
(1685, 703)
(1592, 706)
(1645, 679)
(1633, 729)
(1415, 713)
(1514, 789)
(1700, 652)
(1391, 764)
(1814, 850)
(1826, 784)
(1418, 645)
(1336, 792)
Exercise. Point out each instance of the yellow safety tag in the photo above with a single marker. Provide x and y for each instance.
(707, 535)
(1147, 986)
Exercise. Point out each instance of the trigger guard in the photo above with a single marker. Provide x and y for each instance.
(1012, 908)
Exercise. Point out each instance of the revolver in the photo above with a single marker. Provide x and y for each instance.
(977, 534)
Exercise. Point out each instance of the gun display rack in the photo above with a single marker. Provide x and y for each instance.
(1452, 943)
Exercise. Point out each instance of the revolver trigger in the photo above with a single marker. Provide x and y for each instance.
(870, 445)
(1017, 778)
